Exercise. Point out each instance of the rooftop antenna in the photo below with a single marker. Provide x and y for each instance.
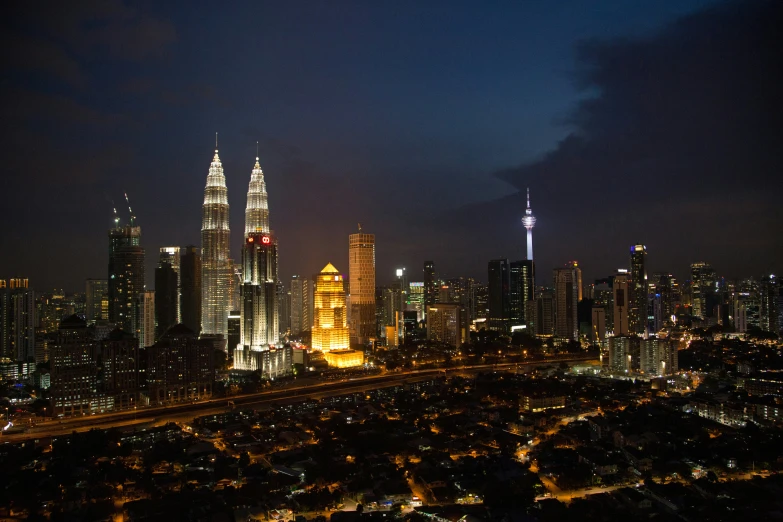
(256, 150)
(216, 141)
(130, 211)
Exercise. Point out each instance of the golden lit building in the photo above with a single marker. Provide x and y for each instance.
(344, 358)
(330, 330)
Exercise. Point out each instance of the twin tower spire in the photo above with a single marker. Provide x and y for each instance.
(217, 271)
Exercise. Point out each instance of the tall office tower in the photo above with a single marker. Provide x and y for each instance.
(128, 284)
(529, 221)
(664, 296)
(166, 292)
(330, 329)
(301, 304)
(702, 290)
(602, 296)
(361, 275)
(145, 325)
(96, 307)
(598, 322)
(175, 260)
(768, 301)
(621, 303)
(658, 357)
(416, 299)
(624, 353)
(638, 291)
(430, 284)
(499, 289)
(17, 320)
(521, 293)
(259, 293)
(545, 313)
(566, 282)
(446, 324)
(480, 301)
(578, 271)
(215, 253)
(126, 273)
(283, 309)
(740, 316)
(190, 288)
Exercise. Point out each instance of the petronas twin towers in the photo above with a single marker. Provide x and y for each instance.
(258, 305)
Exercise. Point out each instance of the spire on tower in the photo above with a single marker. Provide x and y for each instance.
(528, 197)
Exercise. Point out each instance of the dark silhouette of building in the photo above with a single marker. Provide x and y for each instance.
(166, 294)
(180, 367)
(430, 284)
(190, 287)
(499, 286)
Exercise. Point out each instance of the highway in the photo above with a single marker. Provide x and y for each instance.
(187, 411)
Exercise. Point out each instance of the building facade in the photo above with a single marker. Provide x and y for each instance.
(499, 289)
(96, 306)
(361, 276)
(166, 292)
(566, 282)
(330, 329)
(301, 305)
(638, 290)
(215, 253)
(446, 324)
(126, 275)
(190, 288)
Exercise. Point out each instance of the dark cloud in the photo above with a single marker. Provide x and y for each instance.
(676, 143)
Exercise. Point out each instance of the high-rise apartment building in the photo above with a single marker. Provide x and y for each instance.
(330, 329)
(545, 313)
(566, 282)
(499, 290)
(17, 320)
(446, 324)
(658, 357)
(620, 303)
(96, 306)
(361, 275)
(126, 275)
(416, 299)
(703, 280)
(145, 323)
(166, 291)
(190, 288)
(215, 253)
(180, 367)
(430, 284)
(624, 353)
(638, 290)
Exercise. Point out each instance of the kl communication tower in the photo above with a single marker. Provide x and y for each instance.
(529, 221)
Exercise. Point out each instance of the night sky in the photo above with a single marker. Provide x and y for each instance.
(654, 122)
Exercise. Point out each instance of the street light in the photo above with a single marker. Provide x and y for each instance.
(44, 419)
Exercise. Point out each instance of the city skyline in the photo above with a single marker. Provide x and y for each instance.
(454, 179)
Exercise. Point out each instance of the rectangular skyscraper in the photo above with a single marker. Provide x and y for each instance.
(96, 300)
(702, 290)
(361, 274)
(173, 255)
(126, 275)
(430, 284)
(499, 289)
(166, 292)
(301, 305)
(566, 281)
(637, 313)
(17, 320)
(521, 281)
(620, 304)
(190, 288)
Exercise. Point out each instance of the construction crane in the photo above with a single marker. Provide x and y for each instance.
(130, 211)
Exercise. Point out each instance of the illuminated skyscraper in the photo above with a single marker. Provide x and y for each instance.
(521, 285)
(173, 255)
(430, 284)
(145, 318)
(126, 274)
(215, 253)
(499, 290)
(702, 289)
(361, 274)
(637, 313)
(258, 309)
(330, 330)
(529, 221)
